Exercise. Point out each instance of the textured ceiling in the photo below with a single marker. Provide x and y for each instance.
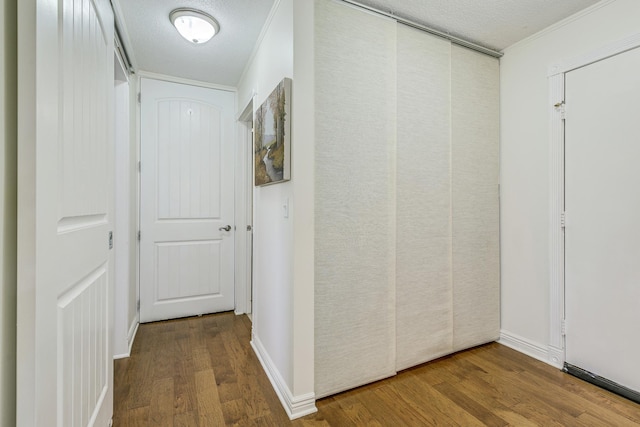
(495, 24)
(157, 47)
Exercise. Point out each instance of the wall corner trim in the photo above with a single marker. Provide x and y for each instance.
(525, 346)
(261, 36)
(133, 331)
(294, 406)
(131, 336)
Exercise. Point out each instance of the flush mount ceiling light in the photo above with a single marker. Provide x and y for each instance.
(194, 25)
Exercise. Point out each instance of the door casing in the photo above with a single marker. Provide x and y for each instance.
(200, 101)
(556, 81)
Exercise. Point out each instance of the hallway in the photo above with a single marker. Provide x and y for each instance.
(203, 372)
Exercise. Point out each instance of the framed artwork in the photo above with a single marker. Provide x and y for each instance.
(272, 137)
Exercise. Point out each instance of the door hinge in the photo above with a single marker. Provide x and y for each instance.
(139, 98)
(111, 240)
(561, 108)
(563, 220)
(139, 235)
(563, 327)
(139, 166)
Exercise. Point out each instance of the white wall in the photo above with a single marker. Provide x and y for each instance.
(8, 188)
(283, 247)
(525, 159)
(273, 234)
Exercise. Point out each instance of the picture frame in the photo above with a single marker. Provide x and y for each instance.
(272, 137)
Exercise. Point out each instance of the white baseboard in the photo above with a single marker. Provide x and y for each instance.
(294, 406)
(131, 335)
(556, 357)
(525, 346)
(133, 330)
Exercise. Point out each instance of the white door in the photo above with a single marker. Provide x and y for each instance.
(186, 212)
(603, 218)
(65, 265)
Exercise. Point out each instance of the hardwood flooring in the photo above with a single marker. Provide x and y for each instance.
(203, 372)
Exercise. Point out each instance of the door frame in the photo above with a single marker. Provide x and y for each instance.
(195, 231)
(556, 352)
(244, 210)
(122, 223)
(243, 303)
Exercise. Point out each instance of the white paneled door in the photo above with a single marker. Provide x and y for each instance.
(603, 218)
(65, 265)
(187, 190)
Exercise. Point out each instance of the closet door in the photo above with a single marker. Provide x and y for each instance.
(424, 314)
(448, 274)
(475, 171)
(602, 231)
(355, 101)
(406, 197)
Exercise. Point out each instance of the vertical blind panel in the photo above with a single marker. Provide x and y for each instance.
(424, 326)
(475, 174)
(355, 101)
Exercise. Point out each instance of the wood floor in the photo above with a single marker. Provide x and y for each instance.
(203, 372)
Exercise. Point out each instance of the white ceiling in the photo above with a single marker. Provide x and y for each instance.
(495, 24)
(157, 47)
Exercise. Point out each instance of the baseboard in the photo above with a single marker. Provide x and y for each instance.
(133, 331)
(525, 346)
(131, 335)
(556, 357)
(294, 406)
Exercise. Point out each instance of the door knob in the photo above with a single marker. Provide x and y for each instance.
(227, 228)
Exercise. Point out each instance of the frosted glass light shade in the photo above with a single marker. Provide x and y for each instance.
(195, 26)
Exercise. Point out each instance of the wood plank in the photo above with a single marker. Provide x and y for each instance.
(209, 408)
(136, 417)
(183, 379)
(425, 398)
(161, 407)
(185, 419)
(140, 380)
(350, 411)
(470, 405)
(234, 413)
